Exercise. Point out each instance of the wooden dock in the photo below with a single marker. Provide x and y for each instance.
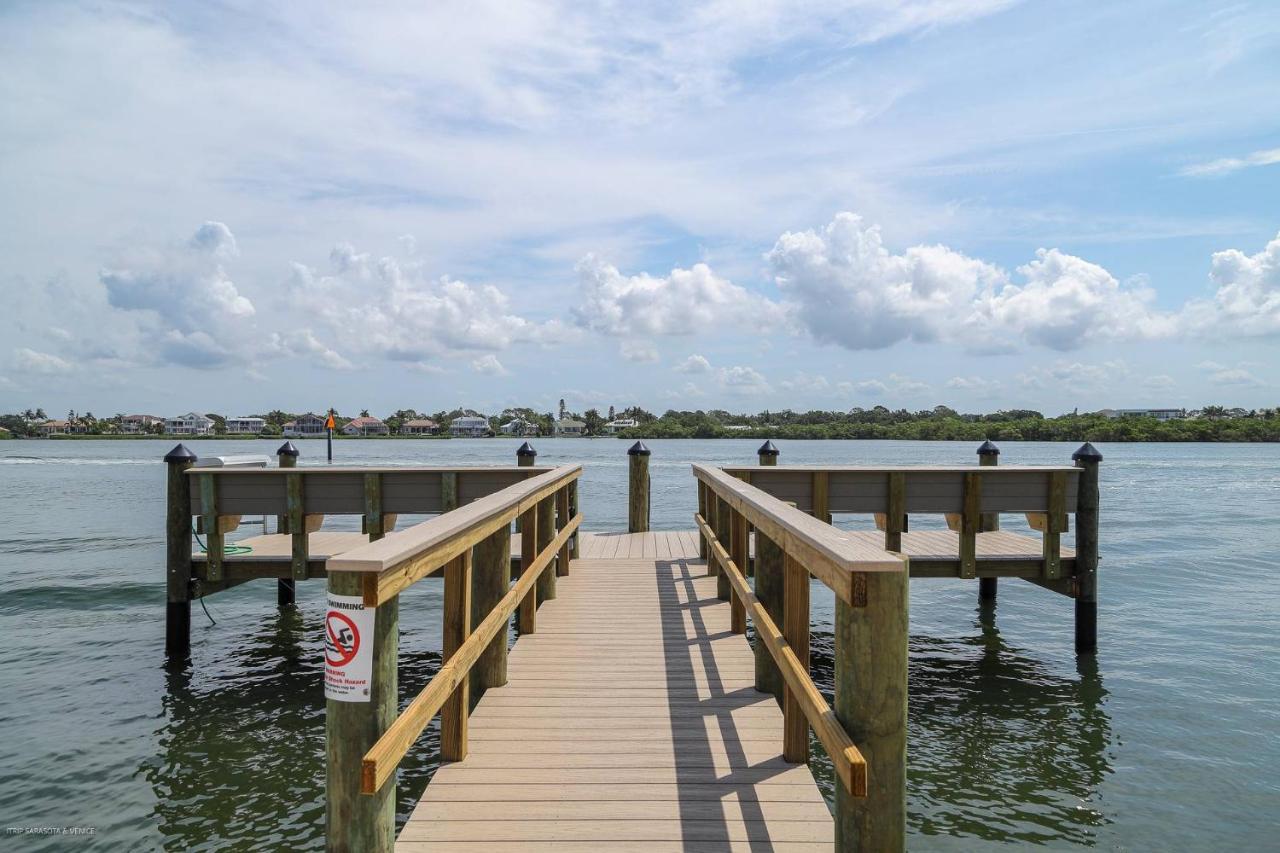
(630, 721)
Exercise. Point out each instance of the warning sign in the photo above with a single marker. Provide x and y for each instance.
(348, 649)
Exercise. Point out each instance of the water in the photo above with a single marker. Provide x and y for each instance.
(1168, 741)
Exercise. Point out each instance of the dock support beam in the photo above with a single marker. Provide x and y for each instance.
(286, 588)
(526, 457)
(769, 587)
(1087, 459)
(490, 580)
(638, 489)
(988, 455)
(871, 704)
(177, 617)
(355, 822)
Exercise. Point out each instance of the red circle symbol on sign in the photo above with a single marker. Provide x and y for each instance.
(341, 639)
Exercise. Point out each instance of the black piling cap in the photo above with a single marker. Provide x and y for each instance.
(179, 454)
(287, 449)
(768, 449)
(988, 449)
(526, 449)
(1088, 453)
(638, 449)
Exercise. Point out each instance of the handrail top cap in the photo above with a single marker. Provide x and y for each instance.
(1088, 453)
(287, 449)
(181, 453)
(638, 449)
(995, 471)
(768, 449)
(988, 448)
(526, 449)
(333, 470)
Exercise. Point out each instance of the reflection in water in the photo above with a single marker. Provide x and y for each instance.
(241, 744)
(999, 747)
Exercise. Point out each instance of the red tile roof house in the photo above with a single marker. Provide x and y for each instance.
(365, 426)
(419, 426)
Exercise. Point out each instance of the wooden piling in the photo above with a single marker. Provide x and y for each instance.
(526, 457)
(638, 489)
(795, 628)
(527, 616)
(546, 533)
(723, 526)
(988, 456)
(871, 704)
(768, 453)
(457, 627)
(738, 529)
(355, 822)
(769, 586)
(562, 518)
(703, 511)
(286, 588)
(573, 513)
(177, 622)
(490, 580)
(1087, 459)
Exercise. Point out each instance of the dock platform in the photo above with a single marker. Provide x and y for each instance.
(630, 722)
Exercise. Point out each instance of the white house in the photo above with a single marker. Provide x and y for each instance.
(570, 428)
(419, 426)
(621, 423)
(469, 426)
(245, 425)
(134, 424)
(518, 426)
(192, 423)
(307, 426)
(364, 425)
(1158, 414)
(53, 428)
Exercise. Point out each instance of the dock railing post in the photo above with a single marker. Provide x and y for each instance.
(1087, 459)
(988, 455)
(768, 453)
(526, 457)
(546, 533)
(705, 512)
(177, 621)
(490, 580)
(355, 822)
(286, 588)
(638, 489)
(871, 704)
(769, 589)
(723, 527)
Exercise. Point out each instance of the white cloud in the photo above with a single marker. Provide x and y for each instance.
(742, 380)
(1159, 382)
(637, 351)
(694, 364)
(1246, 299)
(976, 384)
(30, 361)
(1239, 375)
(303, 342)
(684, 302)
(488, 365)
(1075, 376)
(847, 289)
(806, 383)
(395, 310)
(1227, 165)
(894, 385)
(188, 301)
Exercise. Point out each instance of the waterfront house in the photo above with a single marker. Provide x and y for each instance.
(518, 426)
(419, 426)
(365, 425)
(139, 424)
(192, 423)
(1158, 414)
(570, 428)
(53, 428)
(245, 425)
(307, 426)
(469, 426)
(621, 423)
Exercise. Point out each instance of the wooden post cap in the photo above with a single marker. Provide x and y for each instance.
(768, 449)
(638, 449)
(287, 449)
(1088, 453)
(181, 453)
(526, 449)
(988, 448)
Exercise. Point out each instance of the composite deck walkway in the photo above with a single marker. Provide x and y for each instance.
(629, 723)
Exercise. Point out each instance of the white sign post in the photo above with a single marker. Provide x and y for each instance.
(348, 648)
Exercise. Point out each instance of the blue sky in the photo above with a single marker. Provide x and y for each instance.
(727, 204)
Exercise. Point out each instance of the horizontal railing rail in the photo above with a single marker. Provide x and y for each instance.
(808, 547)
(728, 509)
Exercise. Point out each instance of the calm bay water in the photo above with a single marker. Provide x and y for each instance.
(1168, 740)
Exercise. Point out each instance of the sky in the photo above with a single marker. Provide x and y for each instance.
(744, 205)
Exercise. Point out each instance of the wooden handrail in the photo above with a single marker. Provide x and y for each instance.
(848, 762)
(829, 554)
(400, 559)
(381, 760)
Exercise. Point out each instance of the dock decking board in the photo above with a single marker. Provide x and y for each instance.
(630, 722)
